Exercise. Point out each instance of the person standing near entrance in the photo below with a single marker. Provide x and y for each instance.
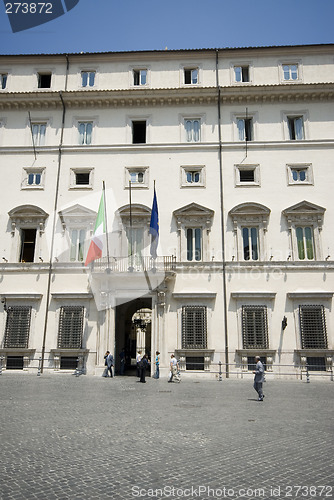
(109, 362)
(122, 360)
(157, 364)
(138, 359)
(258, 378)
(143, 364)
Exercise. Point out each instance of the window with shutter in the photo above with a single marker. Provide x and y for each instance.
(70, 327)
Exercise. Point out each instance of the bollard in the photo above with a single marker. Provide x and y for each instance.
(77, 371)
(39, 367)
(307, 374)
(1, 358)
(220, 372)
(331, 374)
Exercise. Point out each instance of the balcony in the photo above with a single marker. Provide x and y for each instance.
(134, 264)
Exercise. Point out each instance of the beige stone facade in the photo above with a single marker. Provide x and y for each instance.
(239, 144)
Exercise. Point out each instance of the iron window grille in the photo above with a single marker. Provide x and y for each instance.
(70, 327)
(17, 327)
(251, 362)
(255, 327)
(313, 327)
(194, 327)
(194, 363)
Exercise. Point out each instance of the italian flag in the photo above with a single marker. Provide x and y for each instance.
(96, 245)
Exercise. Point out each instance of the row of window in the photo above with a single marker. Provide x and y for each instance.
(191, 176)
(190, 76)
(243, 130)
(194, 335)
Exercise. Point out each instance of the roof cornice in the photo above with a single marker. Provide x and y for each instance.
(135, 98)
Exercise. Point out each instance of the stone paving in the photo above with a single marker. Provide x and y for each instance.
(65, 437)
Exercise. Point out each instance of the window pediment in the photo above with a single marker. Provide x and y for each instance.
(194, 214)
(140, 214)
(305, 212)
(28, 215)
(253, 213)
(77, 215)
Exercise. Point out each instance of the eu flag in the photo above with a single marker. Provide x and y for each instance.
(154, 227)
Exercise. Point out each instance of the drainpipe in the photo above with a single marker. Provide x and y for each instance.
(47, 307)
(221, 186)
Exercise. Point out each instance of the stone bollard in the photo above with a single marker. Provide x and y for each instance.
(39, 367)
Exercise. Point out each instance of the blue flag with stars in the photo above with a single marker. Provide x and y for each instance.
(154, 227)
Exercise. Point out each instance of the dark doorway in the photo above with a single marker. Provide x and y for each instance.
(133, 332)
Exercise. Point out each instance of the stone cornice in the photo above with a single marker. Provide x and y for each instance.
(149, 97)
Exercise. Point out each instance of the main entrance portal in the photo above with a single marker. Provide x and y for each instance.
(133, 323)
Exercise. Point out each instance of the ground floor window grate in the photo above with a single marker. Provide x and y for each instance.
(68, 362)
(313, 327)
(194, 363)
(252, 363)
(316, 364)
(194, 327)
(14, 363)
(17, 326)
(70, 327)
(254, 327)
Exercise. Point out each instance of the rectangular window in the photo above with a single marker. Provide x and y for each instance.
(82, 178)
(139, 132)
(28, 243)
(70, 327)
(191, 76)
(17, 327)
(193, 177)
(139, 77)
(241, 73)
(136, 177)
(305, 243)
(254, 327)
(85, 132)
(316, 364)
(313, 327)
(193, 130)
(194, 244)
(68, 362)
(78, 237)
(247, 175)
(87, 78)
(250, 239)
(34, 178)
(296, 128)
(44, 80)
(194, 327)
(38, 131)
(245, 129)
(194, 363)
(290, 72)
(3, 81)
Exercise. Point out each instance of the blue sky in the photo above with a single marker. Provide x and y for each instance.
(125, 25)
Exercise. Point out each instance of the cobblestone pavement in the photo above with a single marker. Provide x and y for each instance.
(66, 437)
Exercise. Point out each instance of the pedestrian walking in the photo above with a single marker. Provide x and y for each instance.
(109, 363)
(143, 365)
(157, 364)
(259, 378)
(174, 370)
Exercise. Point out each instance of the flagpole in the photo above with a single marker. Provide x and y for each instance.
(105, 218)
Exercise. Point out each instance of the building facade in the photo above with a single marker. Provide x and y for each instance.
(239, 144)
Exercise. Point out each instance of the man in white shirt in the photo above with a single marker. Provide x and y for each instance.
(174, 368)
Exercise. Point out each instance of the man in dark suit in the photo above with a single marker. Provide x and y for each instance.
(258, 378)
